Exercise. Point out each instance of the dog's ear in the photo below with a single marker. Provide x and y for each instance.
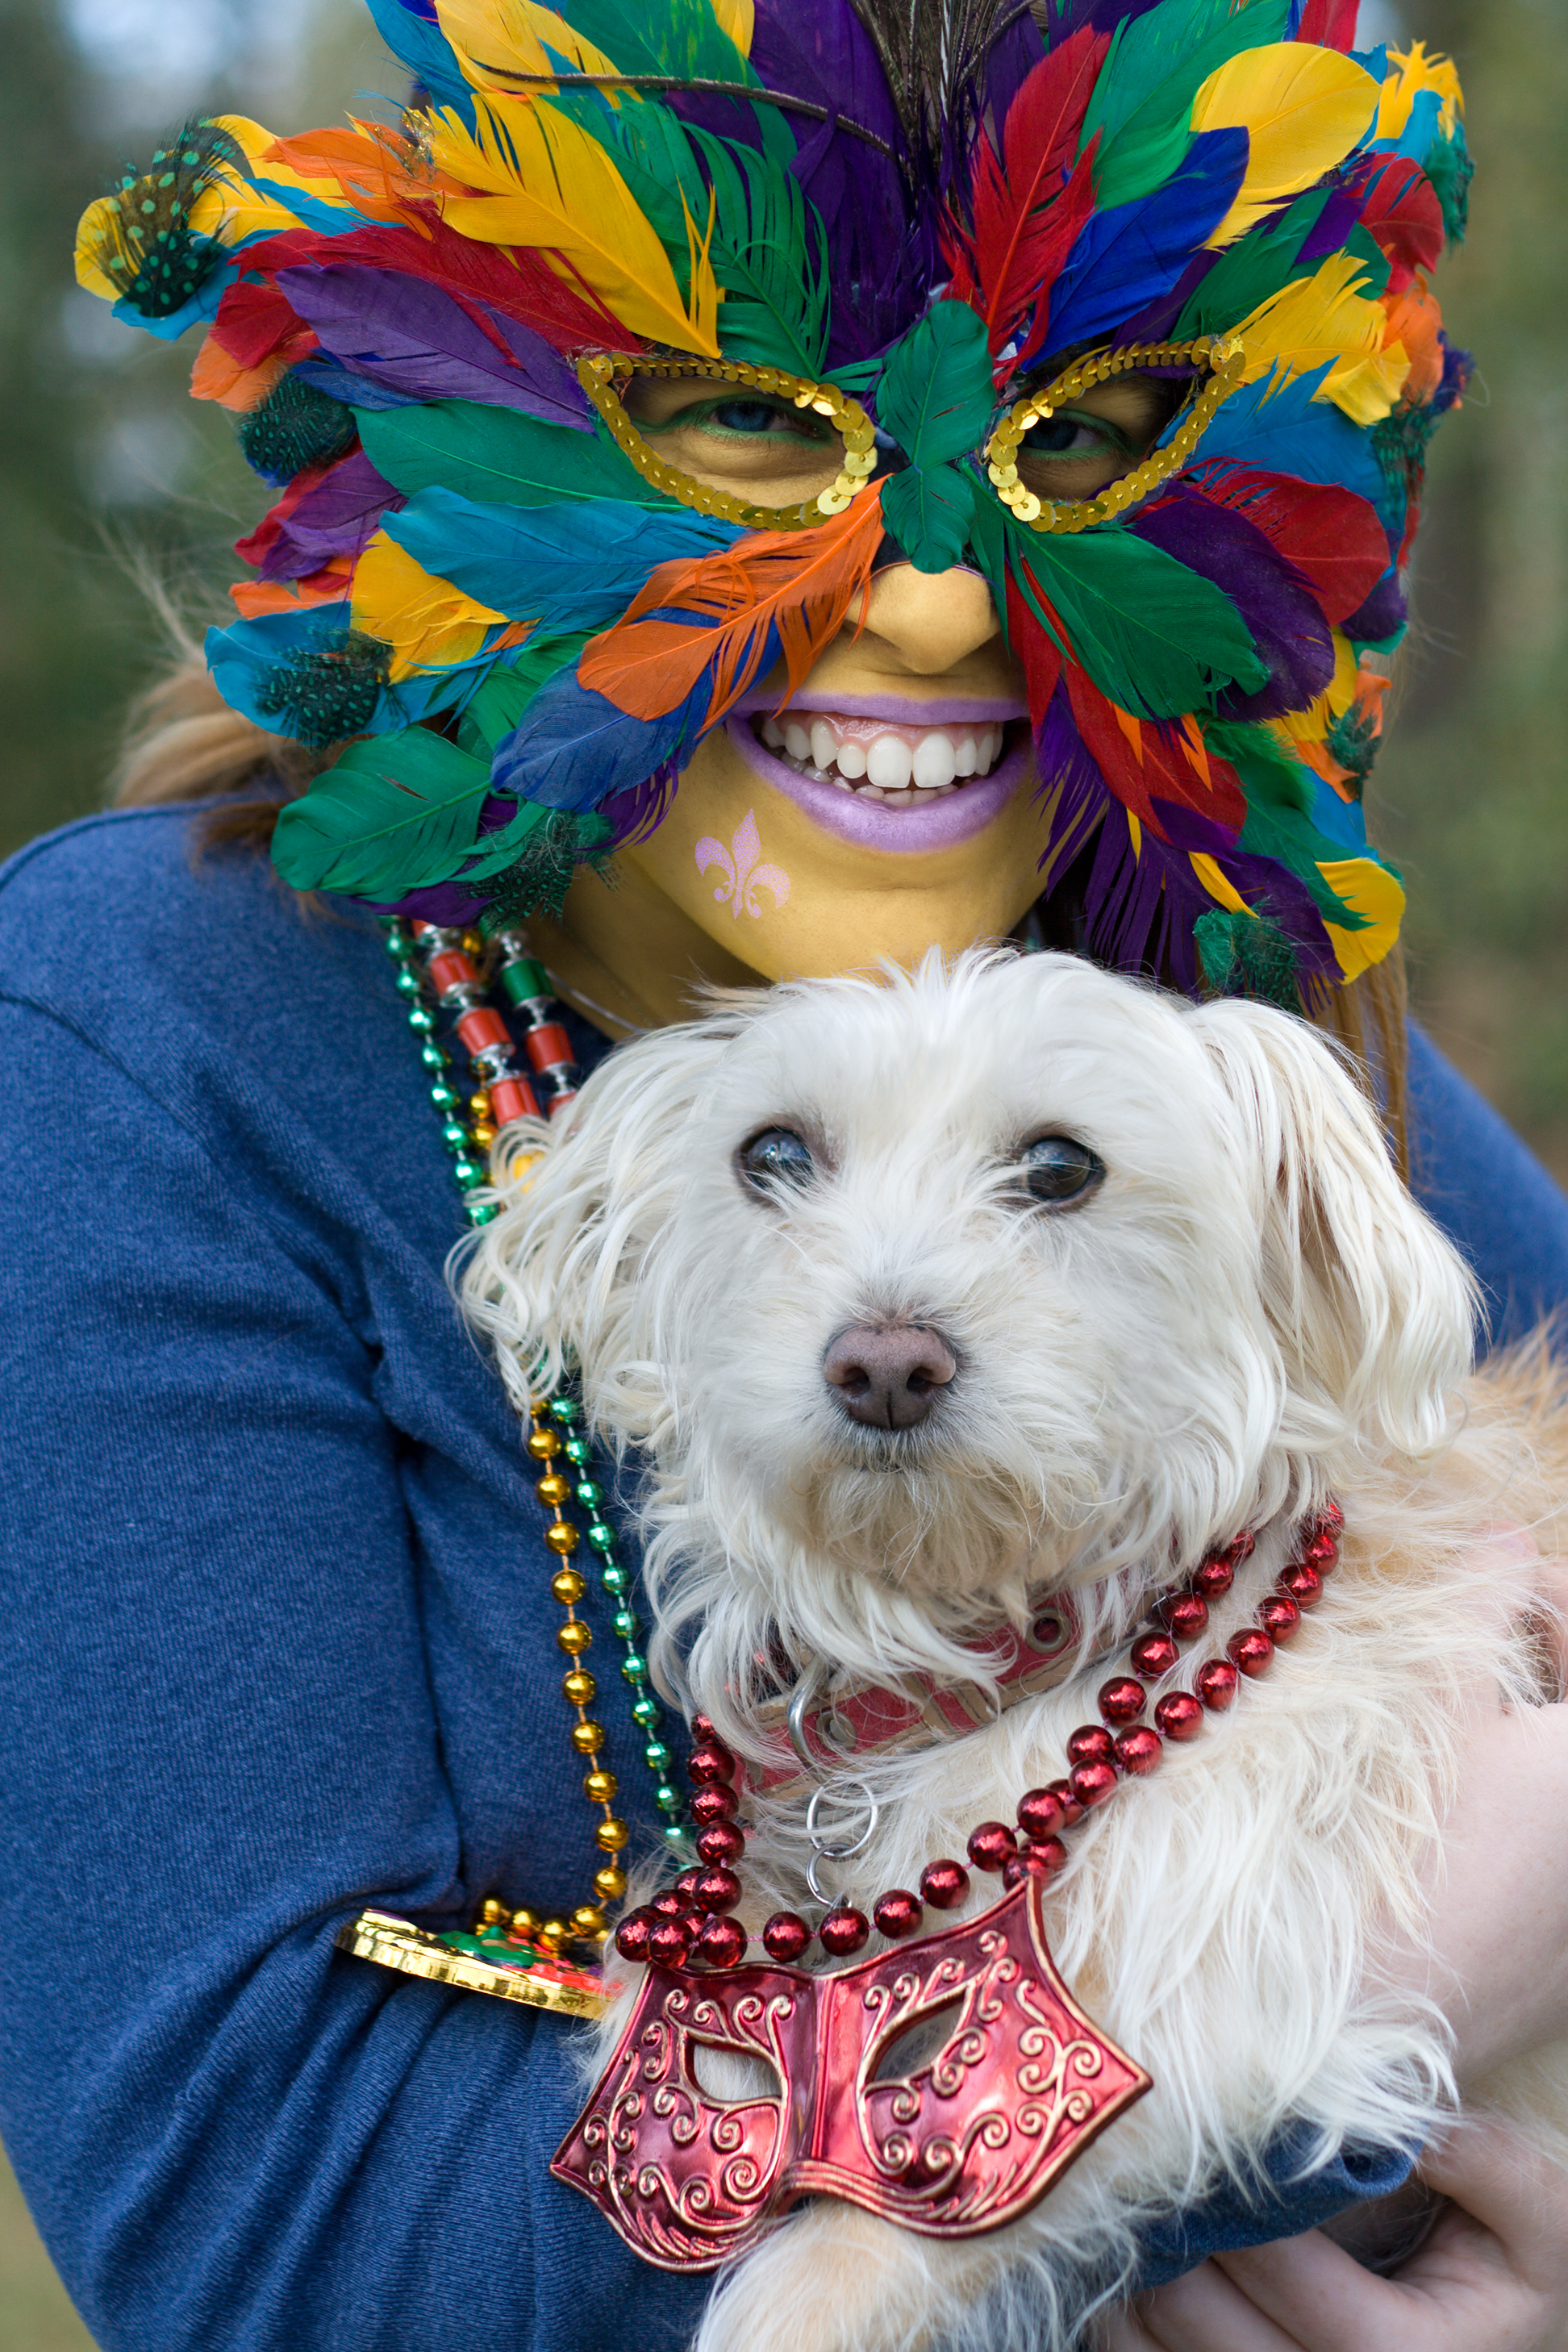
(1373, 1307)
(550, 1279)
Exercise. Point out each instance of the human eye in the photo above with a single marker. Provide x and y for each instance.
(750, 442)
(1071, 433)
(751, 418)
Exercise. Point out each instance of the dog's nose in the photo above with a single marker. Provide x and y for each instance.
(888, 1377)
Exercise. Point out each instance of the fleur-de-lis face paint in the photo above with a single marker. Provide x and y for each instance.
(606, 391)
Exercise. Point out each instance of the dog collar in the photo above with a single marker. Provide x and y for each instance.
(880, 1717)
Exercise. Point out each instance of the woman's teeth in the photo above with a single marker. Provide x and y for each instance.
(899, 766)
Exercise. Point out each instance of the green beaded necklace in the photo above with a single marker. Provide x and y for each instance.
(437, 971)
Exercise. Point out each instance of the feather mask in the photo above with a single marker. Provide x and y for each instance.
(908, 228)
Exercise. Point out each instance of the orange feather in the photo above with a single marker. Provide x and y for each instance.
(804, 582)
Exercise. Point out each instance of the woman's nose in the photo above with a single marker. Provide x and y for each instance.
(931, 619)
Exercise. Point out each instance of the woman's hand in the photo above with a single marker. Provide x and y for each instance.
(1492, 2276)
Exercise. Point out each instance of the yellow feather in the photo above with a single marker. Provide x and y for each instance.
(739, 19)
(1370, 890)
(99, 229)
(231, 208)
(1324, 319)
(426, 621)
(1303, 109)
(497, 41)
(547, 183)
(1414, 72)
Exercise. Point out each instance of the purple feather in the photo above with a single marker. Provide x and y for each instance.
(1332, 226)
(1068, 771)
(1012, 60)
(632, 814)
(1274, 599)
(881, 262)
(1127, 258)
(415, 339)
(1385, 611)
(337, 517)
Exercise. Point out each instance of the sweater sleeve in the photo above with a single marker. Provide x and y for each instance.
(220, 1740)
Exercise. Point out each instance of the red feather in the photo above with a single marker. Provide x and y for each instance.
(802, 580)
(1329, 22)
(1041, 659)
(1143, 761)
(253, 321)
(1015, 245)
(1402, 212)
(1330, 535)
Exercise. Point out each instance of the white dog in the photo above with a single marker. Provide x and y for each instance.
(921, 1298)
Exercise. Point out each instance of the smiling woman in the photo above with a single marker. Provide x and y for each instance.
(757, 486)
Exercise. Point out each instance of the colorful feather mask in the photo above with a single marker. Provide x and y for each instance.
(917, 237)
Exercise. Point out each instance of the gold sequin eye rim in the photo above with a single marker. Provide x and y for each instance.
(598, 375)
(1223, 356)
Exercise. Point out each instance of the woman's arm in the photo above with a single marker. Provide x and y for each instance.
(224, 1732)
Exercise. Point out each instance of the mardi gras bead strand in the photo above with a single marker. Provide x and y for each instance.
(688, 1922)
(451, 974)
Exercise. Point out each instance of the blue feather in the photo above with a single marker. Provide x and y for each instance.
(428, 54)
(1286, 431)
(1128, 256)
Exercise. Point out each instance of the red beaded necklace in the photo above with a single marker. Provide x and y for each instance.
(690, 1922)
(1025, 2080)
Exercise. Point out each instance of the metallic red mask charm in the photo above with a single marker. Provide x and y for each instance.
(974, 2135)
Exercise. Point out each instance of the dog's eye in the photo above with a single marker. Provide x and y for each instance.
(1058, 1168)
(777, 1156)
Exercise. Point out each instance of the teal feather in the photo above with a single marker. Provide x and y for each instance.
(497, 455)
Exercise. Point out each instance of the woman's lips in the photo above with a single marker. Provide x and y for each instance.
(887, 777)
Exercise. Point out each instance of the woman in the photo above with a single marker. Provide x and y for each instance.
(560, 530)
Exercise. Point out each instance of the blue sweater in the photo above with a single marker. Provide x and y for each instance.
(279, 1642)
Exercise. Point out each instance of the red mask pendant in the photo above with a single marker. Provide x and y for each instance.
(1021, 2085)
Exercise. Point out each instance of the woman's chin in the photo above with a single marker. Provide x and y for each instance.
(796, 872)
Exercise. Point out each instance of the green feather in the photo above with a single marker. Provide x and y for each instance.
(770, 254)
(1246, 955)
(936, 396)
(395, 812)
(497, 707)
(768, 248)
(1142, 101)
(497, 454)
(930, 510)
(680, 37)
(1448, 165)
(1266, 261)
(1157, 639)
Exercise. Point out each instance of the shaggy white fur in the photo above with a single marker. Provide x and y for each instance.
(1248, 1314)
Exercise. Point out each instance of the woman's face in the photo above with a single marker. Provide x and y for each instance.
(891, 807)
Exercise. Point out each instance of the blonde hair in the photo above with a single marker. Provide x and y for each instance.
(183, 742)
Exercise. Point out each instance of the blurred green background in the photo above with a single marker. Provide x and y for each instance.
(105, 467)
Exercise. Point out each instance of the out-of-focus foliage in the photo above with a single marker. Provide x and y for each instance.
(1472, 787)
(105, 462)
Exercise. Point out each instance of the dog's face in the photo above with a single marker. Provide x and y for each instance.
(976, 1279)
